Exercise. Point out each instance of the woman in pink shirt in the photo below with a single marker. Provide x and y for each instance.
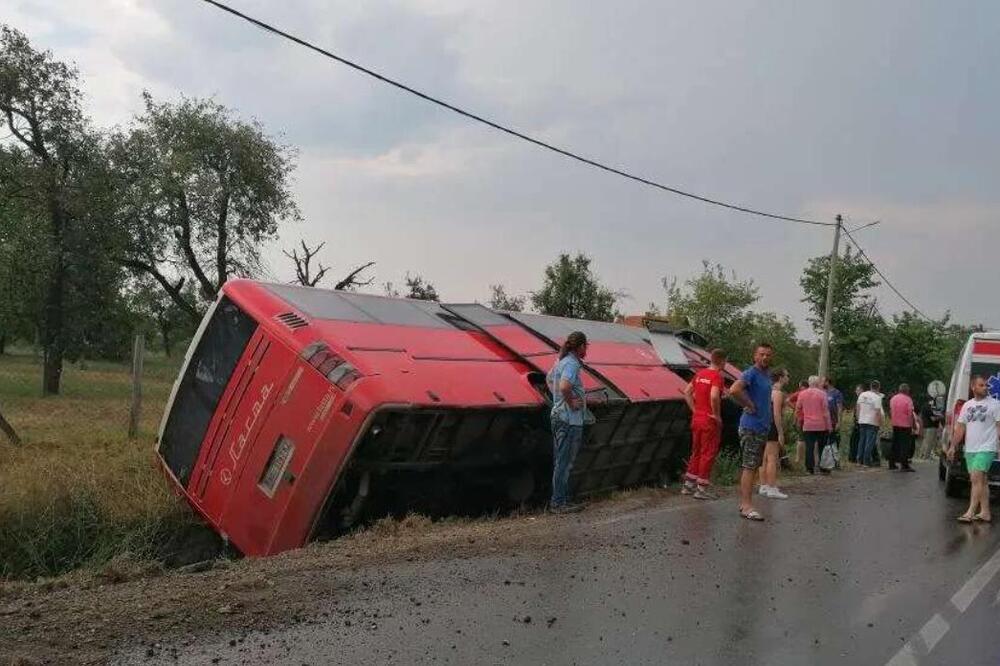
(813, 413)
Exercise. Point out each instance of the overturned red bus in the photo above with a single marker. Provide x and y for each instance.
(299, 409)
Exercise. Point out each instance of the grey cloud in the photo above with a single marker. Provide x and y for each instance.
(878, 110)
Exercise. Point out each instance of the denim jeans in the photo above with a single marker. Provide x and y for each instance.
(866, 443)
(566, 442)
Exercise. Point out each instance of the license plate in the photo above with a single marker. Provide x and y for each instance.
(276, 466)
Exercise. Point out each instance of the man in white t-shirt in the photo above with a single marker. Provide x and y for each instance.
(979, 423)
(869, 414)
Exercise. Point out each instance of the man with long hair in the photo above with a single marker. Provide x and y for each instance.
(568, 406)
(704, 397)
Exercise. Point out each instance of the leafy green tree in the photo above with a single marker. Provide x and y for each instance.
(858, 333)
(200, 192)
(52, 166)
(500, 300)
(22, 284)
(797, 356)
(852, 299)
(572, 290)
(157, 315)
(918, 351)
(719, 305)
(716, 303)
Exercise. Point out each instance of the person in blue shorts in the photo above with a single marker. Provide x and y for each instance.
(753, 391)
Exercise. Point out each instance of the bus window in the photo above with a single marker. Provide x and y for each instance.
(204, 381)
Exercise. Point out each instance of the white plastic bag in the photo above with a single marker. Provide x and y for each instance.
(827, 460)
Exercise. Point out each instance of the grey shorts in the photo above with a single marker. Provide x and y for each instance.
(752, 448)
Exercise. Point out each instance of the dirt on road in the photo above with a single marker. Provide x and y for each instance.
(83, 618)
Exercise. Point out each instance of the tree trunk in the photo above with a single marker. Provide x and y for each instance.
(53, 343)
(3, 344)
(165, 334)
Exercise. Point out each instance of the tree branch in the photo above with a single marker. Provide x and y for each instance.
(208, 290)
(173, 290)
(352, 278)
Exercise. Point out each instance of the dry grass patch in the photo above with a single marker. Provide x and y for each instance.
(77, 492)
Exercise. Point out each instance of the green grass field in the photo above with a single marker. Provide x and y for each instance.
(77, 492)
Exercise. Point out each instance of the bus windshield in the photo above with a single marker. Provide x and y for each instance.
(205, 379)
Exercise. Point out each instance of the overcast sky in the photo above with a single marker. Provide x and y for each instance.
(879, 110)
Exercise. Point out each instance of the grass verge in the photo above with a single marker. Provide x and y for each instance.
(77, 492)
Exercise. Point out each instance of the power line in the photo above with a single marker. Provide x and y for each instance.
(884, 278)
(502, 128)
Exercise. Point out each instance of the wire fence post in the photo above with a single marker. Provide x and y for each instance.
(135, 409)
(7, 429)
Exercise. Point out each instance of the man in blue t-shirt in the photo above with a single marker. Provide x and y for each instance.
(753, 391)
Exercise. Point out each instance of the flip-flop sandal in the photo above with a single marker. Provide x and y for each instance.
(965, 519)
(978, 517)
(753, 515)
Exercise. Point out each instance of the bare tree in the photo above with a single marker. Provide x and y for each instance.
(303, 265)
(304, 271)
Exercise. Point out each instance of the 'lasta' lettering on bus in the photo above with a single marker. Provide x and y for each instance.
(240, 443)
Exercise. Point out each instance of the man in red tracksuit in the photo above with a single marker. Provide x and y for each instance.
(704, 398)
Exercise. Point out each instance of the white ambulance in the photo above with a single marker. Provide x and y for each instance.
(980, 356)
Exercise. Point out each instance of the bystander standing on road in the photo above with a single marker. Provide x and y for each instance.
(568, 407)
(979, 424)
(704, 397)
(905, 422)
(870, 415)
(800, 443)
(814, 413)
(835, 401)
(753, 391)
(775, 438)
(930, 420)
(852, 453)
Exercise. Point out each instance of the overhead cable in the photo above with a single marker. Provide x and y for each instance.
(886, 280)
(502, 128)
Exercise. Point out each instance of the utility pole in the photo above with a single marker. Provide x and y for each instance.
(831, 281)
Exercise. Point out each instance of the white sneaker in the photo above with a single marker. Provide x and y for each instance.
(774, 493)
(764, 490)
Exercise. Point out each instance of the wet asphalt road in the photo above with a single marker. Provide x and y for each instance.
(868, 568)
